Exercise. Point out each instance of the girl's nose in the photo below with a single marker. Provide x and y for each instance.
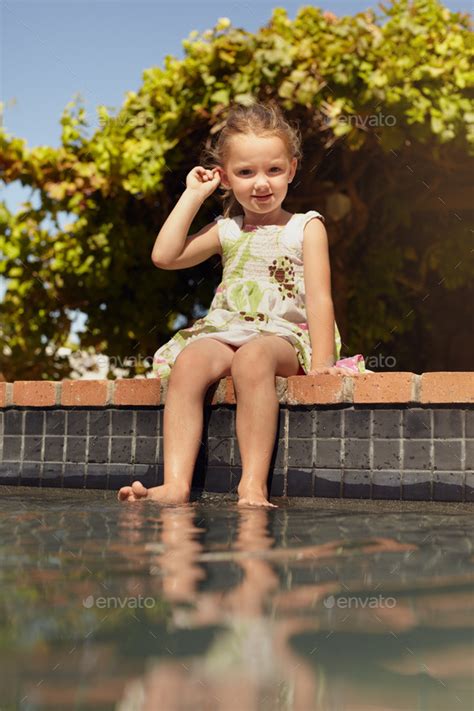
(261, 181)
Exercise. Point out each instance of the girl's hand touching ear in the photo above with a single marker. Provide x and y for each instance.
(203, 181)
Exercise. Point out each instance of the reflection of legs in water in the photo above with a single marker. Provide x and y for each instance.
(259, 577)
(254, 368)
(179, 568)
(226, 671)
(199, 364)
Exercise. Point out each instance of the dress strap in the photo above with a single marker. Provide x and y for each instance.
(307, 216)
(297, 224)
(228, 230)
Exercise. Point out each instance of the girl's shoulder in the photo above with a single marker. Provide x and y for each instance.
(228, 230)
(294, 228)
(300, 219)
(229, 224)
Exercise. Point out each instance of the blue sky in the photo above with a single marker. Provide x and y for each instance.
(52, 50)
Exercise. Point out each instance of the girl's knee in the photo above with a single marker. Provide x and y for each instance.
(251, 365)
(198, 367)
(184, 368)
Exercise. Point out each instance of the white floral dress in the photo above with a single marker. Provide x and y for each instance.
(262, 292)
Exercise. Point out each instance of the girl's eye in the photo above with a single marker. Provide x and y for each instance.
(246, 171)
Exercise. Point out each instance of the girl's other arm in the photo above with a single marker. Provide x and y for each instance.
(319, 304)
(173, 249)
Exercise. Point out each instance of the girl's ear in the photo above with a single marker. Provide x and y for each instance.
(224, 179)
(293, 166)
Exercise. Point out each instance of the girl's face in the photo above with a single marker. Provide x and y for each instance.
(258, 170)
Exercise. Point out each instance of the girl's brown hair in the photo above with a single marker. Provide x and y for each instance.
(258, 119)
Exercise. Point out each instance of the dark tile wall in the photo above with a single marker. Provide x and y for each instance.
(344, 451)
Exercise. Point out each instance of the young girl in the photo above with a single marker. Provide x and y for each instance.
(272, 313)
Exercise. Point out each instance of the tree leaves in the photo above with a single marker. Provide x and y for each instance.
(385, 111)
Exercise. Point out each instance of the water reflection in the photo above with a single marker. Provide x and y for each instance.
(212, 606)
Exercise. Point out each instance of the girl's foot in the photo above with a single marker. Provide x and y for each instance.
(165, 494)
(253, 496)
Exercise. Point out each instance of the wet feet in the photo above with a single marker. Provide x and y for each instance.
(171, 494)
(252, 496)
(165, 494)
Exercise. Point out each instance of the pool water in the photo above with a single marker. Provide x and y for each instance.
(319, 604)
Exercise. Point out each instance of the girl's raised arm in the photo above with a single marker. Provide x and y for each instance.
(172, 240)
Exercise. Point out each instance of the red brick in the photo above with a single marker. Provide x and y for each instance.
(35, 393)
(85, 392)
(316, 389)
(4, 394)
(216, 395)
(137, 391)
(385, 387)
(437, 387)
(447, 387)
(227, 392)
(224, 394)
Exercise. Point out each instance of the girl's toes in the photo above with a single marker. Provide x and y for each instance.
(139, 490)
(125, 493)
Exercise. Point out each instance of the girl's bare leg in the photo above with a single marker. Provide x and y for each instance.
(199, 364)
(254, 368)
(256, 426)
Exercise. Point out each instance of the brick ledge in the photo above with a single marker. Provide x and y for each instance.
(400, 387)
